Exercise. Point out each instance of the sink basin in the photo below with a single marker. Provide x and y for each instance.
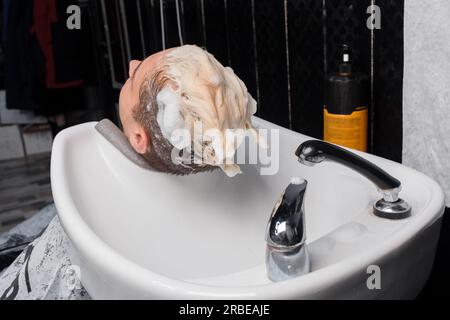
(140, 234)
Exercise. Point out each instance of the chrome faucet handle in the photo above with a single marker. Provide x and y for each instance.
(286, 227)
(286, 253)
(312, 152)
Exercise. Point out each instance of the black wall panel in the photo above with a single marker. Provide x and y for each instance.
(217, 30)
(388, 81)
(193, 23)
(171, 24)
(241, 43)
(151, 24)
(306, 65)
(271, 61)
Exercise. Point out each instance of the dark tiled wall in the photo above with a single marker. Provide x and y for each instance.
(388, 82)
(271, 60)
(306, 37)
(282, 50)
(242, 51)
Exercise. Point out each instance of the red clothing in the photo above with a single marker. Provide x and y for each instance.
(44, 15)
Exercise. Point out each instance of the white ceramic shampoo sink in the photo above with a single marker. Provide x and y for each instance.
(149, 235)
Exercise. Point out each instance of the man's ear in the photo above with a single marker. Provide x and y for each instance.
(139, 140)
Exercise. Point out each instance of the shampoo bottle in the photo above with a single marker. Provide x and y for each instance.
(345, 111)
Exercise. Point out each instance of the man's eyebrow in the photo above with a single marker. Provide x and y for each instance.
(134, 72)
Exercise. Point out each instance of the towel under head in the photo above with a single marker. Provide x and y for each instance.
(154, 162)
(116, 137)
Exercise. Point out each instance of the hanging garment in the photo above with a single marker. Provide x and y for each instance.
(62, 67)
(21, 58)
(43, 61)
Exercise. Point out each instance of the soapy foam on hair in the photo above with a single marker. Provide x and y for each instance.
(201, 89)
(169, 117)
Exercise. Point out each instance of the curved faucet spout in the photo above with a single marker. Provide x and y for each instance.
(312, 152)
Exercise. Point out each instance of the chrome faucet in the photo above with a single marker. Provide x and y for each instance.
(286, 251)
(390, 206)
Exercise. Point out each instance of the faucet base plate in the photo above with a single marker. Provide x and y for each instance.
(399, 209)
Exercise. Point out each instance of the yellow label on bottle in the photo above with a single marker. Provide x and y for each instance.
(348, 130)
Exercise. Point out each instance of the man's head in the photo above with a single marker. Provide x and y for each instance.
(130, 98)
(173, 89)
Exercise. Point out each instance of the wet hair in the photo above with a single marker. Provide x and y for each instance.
(145, 113)
(208, 93)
